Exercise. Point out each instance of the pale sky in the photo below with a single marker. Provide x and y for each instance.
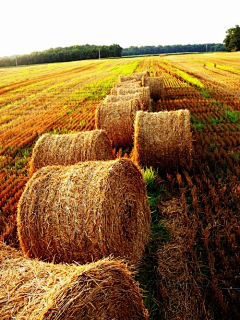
(35, 25)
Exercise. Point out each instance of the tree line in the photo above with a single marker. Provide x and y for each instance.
(73, 53)
(210, 47)
(85, 52)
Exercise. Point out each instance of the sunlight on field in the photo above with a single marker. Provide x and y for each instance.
(62, 98)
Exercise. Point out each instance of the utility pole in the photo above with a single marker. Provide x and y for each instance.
(206, 47)
(99, 54)
(16, 61)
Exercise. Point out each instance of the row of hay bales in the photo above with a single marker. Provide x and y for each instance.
(160, 139)
(79, 206)
(117, 112)
(77, 213)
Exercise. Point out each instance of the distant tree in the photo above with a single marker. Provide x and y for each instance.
(232, 40)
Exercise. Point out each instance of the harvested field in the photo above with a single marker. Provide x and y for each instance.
(63, 97)
(85, 212)
(31, 290)
(181, 296)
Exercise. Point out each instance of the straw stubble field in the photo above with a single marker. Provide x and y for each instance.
(193, 272)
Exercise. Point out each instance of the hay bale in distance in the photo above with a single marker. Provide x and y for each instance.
(66, 149)
(85, 212)
(117, 119)
(144, 92)
(163, 140)
(135, 76)
(128, 84)
(34, 290)
(125, 97)
(155, 85)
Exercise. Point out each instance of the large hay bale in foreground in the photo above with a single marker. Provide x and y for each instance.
(66, 149)
(35, 290)
(117, 119)
(155, 85)
(144, 92)
(163, 140)
(85, 212)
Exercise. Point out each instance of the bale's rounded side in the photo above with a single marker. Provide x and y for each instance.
(155, 85)
(85, 212)
(35, 290)
(66, 149)
(163, 140)
(117, 119)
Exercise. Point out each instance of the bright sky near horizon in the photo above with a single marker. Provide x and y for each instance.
(32, 25)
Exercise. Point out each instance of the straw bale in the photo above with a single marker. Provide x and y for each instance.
(66, 149)
(125, 97)
(143, 91)
(128, 84)
(135, 76)
(117, 119)
(85, 212)
(36, 290)
(163, 140)
(155, 85)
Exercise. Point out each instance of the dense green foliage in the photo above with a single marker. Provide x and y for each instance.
(210, 47)
(65, 54)
(232, 40)
(86, 52)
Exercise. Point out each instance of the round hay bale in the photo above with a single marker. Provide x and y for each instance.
(85, 212)
(125, 97)
(163, 140)
(128, 84)
(155, 85)
(117, 119)
(135, 76)
(144, 92)
(34, 290)
(115, 89)
(66, 149)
